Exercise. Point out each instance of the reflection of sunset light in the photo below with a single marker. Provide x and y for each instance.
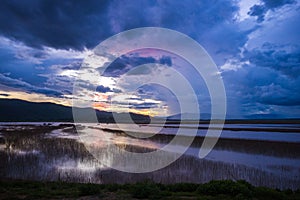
(122, 142)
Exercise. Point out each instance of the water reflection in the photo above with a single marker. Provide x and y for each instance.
(56, 152)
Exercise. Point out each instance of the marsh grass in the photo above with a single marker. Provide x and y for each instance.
(222, 189)
(57, 159)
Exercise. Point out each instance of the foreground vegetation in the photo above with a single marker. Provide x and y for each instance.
(225, 189)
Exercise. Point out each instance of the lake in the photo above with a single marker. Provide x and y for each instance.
(262, 154)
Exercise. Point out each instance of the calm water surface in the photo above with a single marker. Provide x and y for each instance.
(263, 154)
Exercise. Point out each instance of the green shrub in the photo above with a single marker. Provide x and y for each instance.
(113, 187)
(88, 189)
(145, 190)
(227, 187)
(268, 193)
(183, 187)
(288, 192)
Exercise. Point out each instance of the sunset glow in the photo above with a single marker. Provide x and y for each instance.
(255, 45)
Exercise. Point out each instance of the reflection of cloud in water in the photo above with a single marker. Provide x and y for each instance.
(242, 131)
(98, 138)
(59, 155)
(256, 161)
(112, 149)
(60, 133)
(67, 164)
(20, 152)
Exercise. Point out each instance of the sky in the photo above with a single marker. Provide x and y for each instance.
(255, 44)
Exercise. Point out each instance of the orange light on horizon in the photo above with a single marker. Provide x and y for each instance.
(100, 97)
(102, 106)
(148, 112)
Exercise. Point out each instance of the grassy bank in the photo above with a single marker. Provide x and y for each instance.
(11, 189)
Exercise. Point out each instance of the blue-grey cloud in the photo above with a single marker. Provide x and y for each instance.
(103, 89)
(144, 105)
(26, 87)
(285, 59)
(68, 24)
(260, 10)
(269, 80)
(59, 24)
(165, 60)
(271, 4)
(211, 23)
(127, 62)
(71, 66)
(258, 88)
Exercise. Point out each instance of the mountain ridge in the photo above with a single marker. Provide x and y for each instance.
(16, 110)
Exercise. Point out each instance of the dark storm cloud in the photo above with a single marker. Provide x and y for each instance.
(226, 39)
(78, 24)
(277, 89)
(271, 4)
(146, 105)
(281, 100)
(46, 91)
(103, 89)
(165, 60)
(190, 17)
(98, 88)
(284, 59)
(26, 87)
(260, 10)
(211, 23)
(125, 63)
(277, 93)
(59, 24)
(271, 77)
(267, 86)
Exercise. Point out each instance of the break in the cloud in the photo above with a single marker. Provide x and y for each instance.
(255, 44)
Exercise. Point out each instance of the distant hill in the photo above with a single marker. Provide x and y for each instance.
(192, 116)
(189, 116)
(264, 116)
(15, 110)
(258, 118)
